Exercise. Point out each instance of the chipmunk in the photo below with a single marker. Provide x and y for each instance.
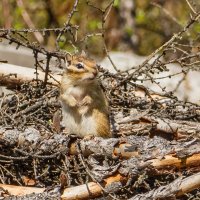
(84, 105)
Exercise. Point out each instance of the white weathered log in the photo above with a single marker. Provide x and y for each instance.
(177, 188)
(82, 192)
(21, 190)
(189, 184)
(14, 74)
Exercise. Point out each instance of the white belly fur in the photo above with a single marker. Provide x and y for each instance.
(86, 126)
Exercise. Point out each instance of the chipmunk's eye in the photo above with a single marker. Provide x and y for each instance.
(80, 66)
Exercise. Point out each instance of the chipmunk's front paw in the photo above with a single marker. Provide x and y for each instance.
(69, 100)
(86, 101)
(83, 110)
(72, 102)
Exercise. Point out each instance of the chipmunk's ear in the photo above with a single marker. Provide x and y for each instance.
(68, 58)
(83, 53)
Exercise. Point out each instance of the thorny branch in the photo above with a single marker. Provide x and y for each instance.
(176, 36)
(67, 23)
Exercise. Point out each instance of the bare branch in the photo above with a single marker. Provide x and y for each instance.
(189, 4)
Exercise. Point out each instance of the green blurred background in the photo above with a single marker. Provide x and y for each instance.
(140, 26)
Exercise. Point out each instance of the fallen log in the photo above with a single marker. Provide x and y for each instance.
(20, 190)
(171, 161)
(177, 129)
(92, 189)
(156, 152)
(177, 188)
(85, 191)
(189, 184)
(127, 147)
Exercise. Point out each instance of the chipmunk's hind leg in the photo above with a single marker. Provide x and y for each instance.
(102, 124)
